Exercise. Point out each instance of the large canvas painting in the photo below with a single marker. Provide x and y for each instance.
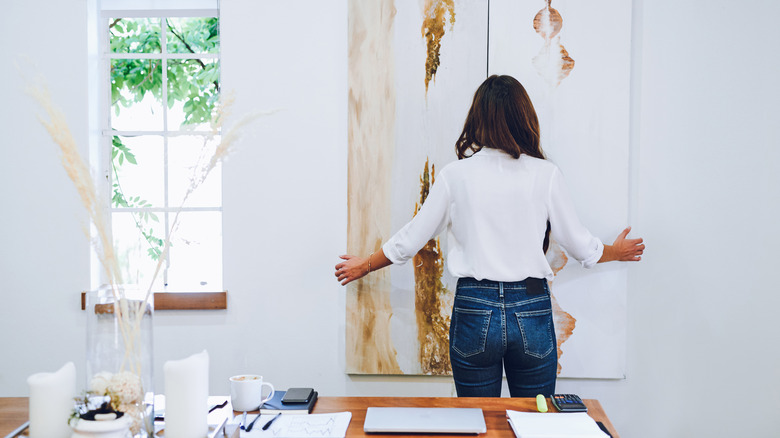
(413, 69)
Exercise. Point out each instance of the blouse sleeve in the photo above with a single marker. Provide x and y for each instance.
(429, 221)
(566, 227)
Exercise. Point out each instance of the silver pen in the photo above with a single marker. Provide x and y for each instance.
(19, 430)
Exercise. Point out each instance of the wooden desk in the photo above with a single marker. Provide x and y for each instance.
(494, 410)
(14, 411)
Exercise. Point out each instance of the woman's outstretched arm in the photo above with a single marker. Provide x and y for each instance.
(623, 250)
(353, 268)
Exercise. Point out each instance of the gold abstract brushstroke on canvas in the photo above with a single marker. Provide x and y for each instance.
(371, 141)
(433, 28)
(553, 62)
(564, 322)
(433, 321)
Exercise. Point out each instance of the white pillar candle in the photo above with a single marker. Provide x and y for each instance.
(51, 402)
(186, 396)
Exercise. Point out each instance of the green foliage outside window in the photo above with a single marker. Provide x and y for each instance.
(192, 82)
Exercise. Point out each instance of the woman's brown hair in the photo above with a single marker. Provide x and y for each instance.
(501, 117)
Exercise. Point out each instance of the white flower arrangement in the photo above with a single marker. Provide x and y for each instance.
(124, 392)
(124, 387)
(99, 383)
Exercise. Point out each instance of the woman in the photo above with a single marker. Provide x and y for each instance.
(499, 207)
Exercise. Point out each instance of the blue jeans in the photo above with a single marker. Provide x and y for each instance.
(502, 325)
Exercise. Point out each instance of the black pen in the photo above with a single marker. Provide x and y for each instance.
(267, 425)
(219, 406)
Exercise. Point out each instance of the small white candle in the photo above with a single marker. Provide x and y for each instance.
(51, 402)
(186, 396)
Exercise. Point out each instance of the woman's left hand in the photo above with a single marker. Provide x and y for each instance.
(351, 269)
(624, 249)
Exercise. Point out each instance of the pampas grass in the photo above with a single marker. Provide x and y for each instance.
(78, 172)
(129, 313)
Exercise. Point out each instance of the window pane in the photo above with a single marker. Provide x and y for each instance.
(136, 94)
(187, 155)
(196, 254)
(152, 173)
(193, 92)
(138, 165)
(193, 35)
(135, 252)
(134, 35)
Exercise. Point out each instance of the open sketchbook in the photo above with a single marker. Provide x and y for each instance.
(554, 425)
(299, 426)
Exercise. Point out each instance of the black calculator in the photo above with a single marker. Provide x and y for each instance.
(568, 403)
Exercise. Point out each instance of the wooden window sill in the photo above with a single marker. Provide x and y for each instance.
(182, 300)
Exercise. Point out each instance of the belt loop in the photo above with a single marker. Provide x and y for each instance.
(501, 289)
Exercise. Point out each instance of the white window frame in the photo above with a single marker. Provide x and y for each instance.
(104, 140)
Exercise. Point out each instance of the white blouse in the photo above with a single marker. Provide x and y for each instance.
(495, 210)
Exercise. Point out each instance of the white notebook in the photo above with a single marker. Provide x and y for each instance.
(331, 425)
(425, 420)
(554, 424)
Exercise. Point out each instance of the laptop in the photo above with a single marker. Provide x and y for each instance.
(425, 420)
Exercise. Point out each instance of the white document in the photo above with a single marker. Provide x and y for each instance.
(554, 425)
(299, 426)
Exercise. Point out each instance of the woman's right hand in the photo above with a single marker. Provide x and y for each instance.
(351, 269)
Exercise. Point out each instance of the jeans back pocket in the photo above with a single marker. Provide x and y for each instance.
(537, 330)
(469, 330)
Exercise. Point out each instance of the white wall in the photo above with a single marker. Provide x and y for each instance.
(702, 305)
(705, 137)
(44, 260)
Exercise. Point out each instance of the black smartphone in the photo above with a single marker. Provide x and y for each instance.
(297, 395)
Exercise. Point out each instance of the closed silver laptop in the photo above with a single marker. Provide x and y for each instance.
(425, 420)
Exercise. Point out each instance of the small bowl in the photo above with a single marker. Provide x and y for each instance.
(119, 428)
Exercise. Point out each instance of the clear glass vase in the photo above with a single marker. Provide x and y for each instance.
(119, 354)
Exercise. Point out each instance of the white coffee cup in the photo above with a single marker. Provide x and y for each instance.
(246, 392)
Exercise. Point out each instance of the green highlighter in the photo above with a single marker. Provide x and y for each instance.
(541, 403)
